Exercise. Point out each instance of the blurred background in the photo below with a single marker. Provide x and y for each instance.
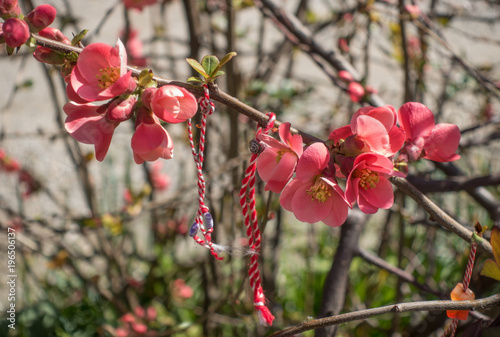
(102, 248)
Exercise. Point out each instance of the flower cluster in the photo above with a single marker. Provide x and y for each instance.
(136, 324)
(103, 94)
(372, 148)
(16, 29)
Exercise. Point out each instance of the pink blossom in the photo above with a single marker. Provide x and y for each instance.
(371, 130)
(138, 4)
(88, 124)
(15, 32)
(276, 164)
(355, 91)
(101, 72)
(135, 50)
(181, 289)
(150, 140)
(140, 312)
(425, 139)
(160, 180)
(121, 332)
(170, 103)
(368, 184)
(151, 313)
(8, 8)
(139, 328)
(346, 76)
(128, 318)
(40, 17)
(413, 10)
(314, 195)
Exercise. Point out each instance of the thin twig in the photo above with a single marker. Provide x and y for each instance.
(483, 303)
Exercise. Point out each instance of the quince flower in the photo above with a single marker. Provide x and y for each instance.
(368, 184)
(425, 139)
(276, 164)
(150, 140)
(88, 124)
(313, 195)
(170, 103)
(371, 130)
(101, 73)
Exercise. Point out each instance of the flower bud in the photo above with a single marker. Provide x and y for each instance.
(346, 76)
(8, 8)
(147, 96)
(41, 17)
(54, 34)
(48, 56)
(121, 109)
(356, 91)
(15, 32)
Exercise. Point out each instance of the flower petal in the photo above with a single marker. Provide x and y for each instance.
(312, 162)
(443, 143)
(416, 119)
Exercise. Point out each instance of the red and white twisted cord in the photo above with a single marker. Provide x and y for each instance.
(247, 203)
(207, 108)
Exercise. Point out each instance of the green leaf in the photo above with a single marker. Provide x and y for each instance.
(210, 63)
(145, 77)
(491, 269)
(194, 79)
(226, 58)
(79, 37)
(197, 66)
(219, 73)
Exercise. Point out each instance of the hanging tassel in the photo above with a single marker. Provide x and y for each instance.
(202, 215)
(247, 203)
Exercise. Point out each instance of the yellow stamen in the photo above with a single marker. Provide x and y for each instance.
(320, 191)
(369, 179)
(107, 77)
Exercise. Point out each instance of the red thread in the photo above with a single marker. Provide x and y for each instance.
(207, 108)
(247, 203)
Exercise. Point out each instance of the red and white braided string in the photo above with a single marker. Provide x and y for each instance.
(207, 107)
(247, 203)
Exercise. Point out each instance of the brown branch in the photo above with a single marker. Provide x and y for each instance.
(437, 214)
(483, 303)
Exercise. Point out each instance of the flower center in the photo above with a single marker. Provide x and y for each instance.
(320, 191)
(107, 76)
(280, 154)
(369, 179)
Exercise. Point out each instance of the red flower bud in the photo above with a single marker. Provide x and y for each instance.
(8, 7)
(48, 56)
(15, 32)
(41, 17)
(54, 34)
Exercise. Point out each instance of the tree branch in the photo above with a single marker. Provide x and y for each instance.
(483, 303)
